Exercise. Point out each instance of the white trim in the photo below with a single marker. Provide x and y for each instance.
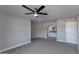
(6, 49)
(40, 37)
(65, 41)
(60, 40)
(72, 42)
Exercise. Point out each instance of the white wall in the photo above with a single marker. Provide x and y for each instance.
(40, 29)
(67, 30)
(61, 30)
(33, 29)
(14, 31)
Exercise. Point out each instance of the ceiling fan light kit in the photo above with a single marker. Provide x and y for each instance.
(36, 11)
(35, 14)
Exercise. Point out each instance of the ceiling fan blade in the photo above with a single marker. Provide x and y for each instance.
(42, 7)
(43, 13)
(28, 13)
(27, 8)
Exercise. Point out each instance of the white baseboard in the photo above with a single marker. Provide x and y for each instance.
(6, 49)
(60, 40)
(65, 41)
(38, 37)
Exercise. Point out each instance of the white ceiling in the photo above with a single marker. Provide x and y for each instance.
(54, 11)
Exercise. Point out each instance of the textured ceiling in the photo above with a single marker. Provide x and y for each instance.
(54, 11)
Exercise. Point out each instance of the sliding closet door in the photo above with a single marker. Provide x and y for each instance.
(71, 32)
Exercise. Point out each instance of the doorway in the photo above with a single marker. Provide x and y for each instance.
(51, 31)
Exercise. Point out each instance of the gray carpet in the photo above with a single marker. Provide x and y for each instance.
(44, 46)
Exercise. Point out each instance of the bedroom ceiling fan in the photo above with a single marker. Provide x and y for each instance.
(36, 11)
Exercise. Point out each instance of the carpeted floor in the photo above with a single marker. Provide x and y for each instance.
(44, 46)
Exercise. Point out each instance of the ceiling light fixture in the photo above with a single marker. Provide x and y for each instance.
(35, 14)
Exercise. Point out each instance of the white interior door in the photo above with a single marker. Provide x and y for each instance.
(71, 32)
